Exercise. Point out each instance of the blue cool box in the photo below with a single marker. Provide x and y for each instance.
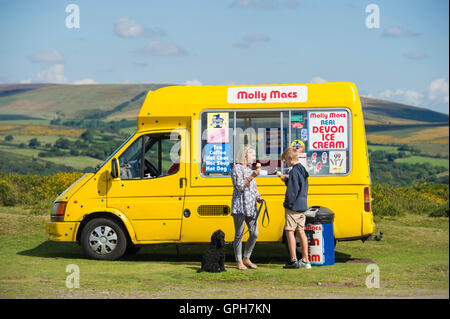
(321, 240)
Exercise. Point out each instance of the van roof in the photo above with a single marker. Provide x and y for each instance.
(188, 101)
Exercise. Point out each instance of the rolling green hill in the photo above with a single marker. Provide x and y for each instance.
(117, 101)
(73, 101)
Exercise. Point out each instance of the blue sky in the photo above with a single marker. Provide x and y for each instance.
(233, 42)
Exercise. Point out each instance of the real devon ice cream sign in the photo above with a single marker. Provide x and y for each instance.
(328, 130)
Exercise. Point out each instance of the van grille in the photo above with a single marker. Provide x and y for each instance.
(213, 210)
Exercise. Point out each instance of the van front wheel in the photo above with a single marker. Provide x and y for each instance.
(103, 239)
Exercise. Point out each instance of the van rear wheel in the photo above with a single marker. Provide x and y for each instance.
(103, 239)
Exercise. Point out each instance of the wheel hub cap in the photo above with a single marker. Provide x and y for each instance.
(103, 240)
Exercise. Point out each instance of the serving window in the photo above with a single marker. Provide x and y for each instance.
(320, 136)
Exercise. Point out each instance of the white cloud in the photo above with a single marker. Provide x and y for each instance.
(435, 96)
(254, 4)
(264, 4)
(318, 79)
(54, 74)
(51, 57)
(250, 39)
(158, 48)
(256, 38)
(397, 32)
(415, 55)
(127, 28)
(84, 81)
(438, 90)
(409, 97)
(193, 82)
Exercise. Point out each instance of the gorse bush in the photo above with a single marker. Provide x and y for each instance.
(421, 198)
(384, 203)
(441, 211)
(7, 197)
(34, 191)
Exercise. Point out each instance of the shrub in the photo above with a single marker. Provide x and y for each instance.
(421, 198)
(62, 143)
(7, 197)
(34, 191)
(384, 201)
(441, 210)
(34, 143)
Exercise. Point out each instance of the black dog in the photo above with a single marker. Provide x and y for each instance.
(214, 257)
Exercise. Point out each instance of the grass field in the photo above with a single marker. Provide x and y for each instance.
(77, 162)
(424, 160)
(72, 101)
(413, 261)
(418, 135)
(387, 148)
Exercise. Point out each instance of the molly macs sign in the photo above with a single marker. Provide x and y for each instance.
(268, 94)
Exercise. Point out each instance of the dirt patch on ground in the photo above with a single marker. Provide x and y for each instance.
(339, 290)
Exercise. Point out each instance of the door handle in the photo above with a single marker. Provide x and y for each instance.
(181, 181)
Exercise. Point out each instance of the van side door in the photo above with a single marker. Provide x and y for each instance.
(151, 188)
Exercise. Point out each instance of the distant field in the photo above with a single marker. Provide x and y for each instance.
(409, 135)
(424, 160)
(425, 149)
(387, 148)
(73, 101)
(18, 129)
(20, 151)
(435, 149)
(24, 122)
(43, 139)
(77, 162)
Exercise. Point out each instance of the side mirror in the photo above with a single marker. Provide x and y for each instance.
(115, 168)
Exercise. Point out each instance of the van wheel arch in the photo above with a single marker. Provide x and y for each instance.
(106, 215)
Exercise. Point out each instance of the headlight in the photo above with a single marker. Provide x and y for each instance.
(58, 210)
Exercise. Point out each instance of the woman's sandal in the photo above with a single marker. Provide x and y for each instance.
(242, 267)
(251, 265)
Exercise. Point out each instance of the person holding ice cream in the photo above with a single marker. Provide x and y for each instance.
(296, 206)
(243, 205)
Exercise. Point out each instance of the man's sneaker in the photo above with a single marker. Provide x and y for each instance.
(292, 264)
(302, 264)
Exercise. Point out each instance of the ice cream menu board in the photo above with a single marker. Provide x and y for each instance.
(217, 128)
(217, 158)
(328, 130)
(321, 139)
(217, 151)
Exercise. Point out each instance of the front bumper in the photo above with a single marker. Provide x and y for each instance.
(62, 231)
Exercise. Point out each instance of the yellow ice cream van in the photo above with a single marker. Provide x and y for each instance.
(170, 181)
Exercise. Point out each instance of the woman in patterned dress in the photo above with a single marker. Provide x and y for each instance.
(243, 205)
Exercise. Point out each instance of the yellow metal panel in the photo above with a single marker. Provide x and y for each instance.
(156, 230)
(61, 231)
